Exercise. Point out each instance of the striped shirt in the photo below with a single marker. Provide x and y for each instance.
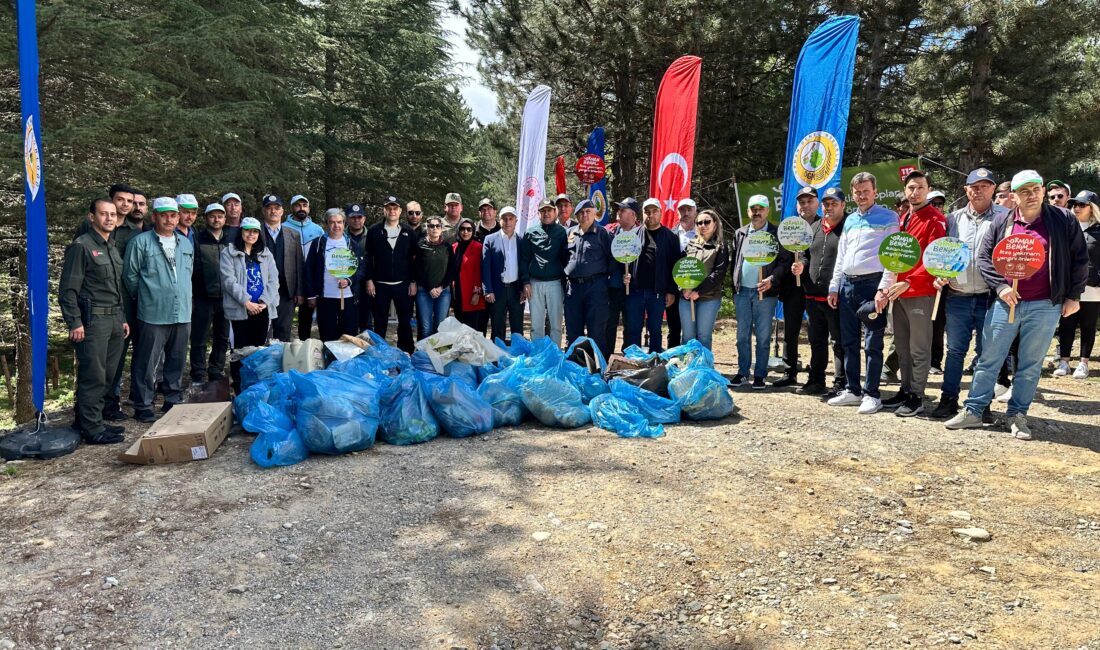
(857, 252)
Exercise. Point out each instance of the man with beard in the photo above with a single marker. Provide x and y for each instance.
(488, 224)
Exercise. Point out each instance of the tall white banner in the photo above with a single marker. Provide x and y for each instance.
(531, 180)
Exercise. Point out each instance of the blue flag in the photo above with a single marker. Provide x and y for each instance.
(820, 100)
(35, 192)
(598, 193)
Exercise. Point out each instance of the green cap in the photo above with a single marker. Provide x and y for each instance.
(759, 199)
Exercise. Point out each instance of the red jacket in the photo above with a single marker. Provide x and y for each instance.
(926, 224)
(468, 283)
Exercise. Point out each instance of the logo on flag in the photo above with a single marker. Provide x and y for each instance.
(816, 159)
(532, 194)
(32, 158)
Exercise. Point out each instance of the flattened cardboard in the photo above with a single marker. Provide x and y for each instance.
(187, 432)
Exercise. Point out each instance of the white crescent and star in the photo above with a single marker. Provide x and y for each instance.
(673, 158)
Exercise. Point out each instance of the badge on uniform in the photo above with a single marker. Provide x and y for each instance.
(96, 253)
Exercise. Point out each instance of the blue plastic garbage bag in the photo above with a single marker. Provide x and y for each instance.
(689, 355)
(364, 367)
(458, 369)
(554, 401)
(275, 390)
(261, 365)
(501, 391)
(620, 416)
(407, 416)
(655, 409)
(702, 394)
(589, 384)
(635, 353)
(517, 346)
(391, 359)
(278, 442)
(584, 348)
(489, 369)
(337, 413)
(461, 412)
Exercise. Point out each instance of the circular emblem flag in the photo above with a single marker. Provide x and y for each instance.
(816, 159)
(626, 247)
(1018, 257)
(946, 257)
(32, 158)
(795, 234)
(688, 273)
(590, 169)
(600, 201)
(899, 252)
(761, 248)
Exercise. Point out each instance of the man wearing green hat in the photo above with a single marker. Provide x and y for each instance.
(1052, 292)
(189, 212)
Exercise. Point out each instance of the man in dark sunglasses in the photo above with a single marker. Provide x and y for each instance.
(414, 215)
(1058, 193)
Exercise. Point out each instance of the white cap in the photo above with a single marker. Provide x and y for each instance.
(250, 222)
(508, 210)
(1025, 177)
(231, 195)
(759, 199)
(298, 197)
(165, 204)
(187, 201)
(936, 194)
(650, 201)
(214, 207)
(688, 202)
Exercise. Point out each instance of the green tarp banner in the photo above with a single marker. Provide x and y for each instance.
(888, 174)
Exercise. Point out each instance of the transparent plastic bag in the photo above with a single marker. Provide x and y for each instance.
(620, 417)
(407, 417)
(502, 393)
(689, 355)
(703, 394)
(278, 442)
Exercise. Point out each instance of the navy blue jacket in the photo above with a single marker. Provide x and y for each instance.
(315, 268)
(668, 253)
(492, 262)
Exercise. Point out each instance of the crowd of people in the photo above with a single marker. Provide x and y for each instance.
(175, 292)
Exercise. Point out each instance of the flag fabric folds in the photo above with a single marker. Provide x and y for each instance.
(673, 150)
(531, 179)
(597, 192)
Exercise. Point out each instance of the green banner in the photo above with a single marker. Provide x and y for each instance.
(888, 174)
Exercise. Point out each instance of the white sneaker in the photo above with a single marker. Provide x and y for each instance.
(1006, 395)
(870, 405)
(1063, 368)
(1082, 371)
(845, 398)
(999, 389)
(1019, 427)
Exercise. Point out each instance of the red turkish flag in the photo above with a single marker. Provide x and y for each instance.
(559, 174)
(673, 151)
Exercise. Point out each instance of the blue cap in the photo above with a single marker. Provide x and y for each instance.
(272, 199)
(980, 174)
(582, 205)
(630, 203)
(393, 200)
(834, 193)
(354, 210)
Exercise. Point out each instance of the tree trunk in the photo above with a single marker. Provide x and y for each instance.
(872, 90)
(975, 146)
(24, 408)
(624, 168)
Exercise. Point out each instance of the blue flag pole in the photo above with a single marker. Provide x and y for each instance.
(35, 192)
(820, 99)
(597, 193)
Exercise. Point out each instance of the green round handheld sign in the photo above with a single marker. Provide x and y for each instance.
(688, 273)
(761, 248)
(626, 247)
(341, 263)
(795, 234)
(946, 257)
(899, 252)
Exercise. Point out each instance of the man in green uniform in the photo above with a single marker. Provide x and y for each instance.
(91, 304)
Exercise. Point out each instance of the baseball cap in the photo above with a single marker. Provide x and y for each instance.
(452, 197)
(546, 203)
(298, 197)
(582, 205)
(1025, 177)
(1084, 197)
(759, 199)
(1058, 183)
(686, 202)
(231, 195)
(187, 201)
(805, 191)
(354, 210)
(562, 197)
(650, 201)
(834, 193)
(508, 210)
(870, 318)
(936, 194)
(250, 222)
(165, 204)
(213, 207)
(486, 202)
(630, 203)
(979, 175)
(272, 199)
(391, 200)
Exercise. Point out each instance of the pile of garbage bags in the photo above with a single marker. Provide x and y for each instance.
(458, 384)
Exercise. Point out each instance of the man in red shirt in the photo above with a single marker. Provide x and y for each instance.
(913, 295)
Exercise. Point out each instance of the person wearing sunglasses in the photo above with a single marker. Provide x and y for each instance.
(414, 216)
(1058, 193)
(468, 303)
(435, 271)
(1086, 207)
(709, 247)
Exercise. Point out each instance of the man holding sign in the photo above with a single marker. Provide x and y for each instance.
(1030, 307)
(759, 266)
(332, 270)
(913, 294)
(648, 279)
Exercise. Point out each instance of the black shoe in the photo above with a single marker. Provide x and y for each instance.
(116, 416)
(987, 416)
(758, 383)
(896, 401)
(811, 388)
(102, 438)
(738, 380)
(970, 369)
(109, 428)
(167, 406)
(914, 405)
(836, 390)
(787, 380)
(948, 407)
(145, 416)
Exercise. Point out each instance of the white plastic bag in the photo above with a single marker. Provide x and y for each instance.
(457, 341)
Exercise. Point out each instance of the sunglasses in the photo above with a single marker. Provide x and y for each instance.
(467, 229)
(435, 225)
(1057, 197)
(703, 222)
(415, 213)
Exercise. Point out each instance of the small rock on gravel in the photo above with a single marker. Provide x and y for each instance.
(238, 589)
(973, 534)
(960, 514)
(540, 536)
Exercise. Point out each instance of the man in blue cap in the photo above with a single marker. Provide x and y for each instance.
(589, 249)
(301, 222)
(357, 233)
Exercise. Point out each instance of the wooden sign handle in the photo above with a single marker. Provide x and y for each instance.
(936, 305)
(1012, 309)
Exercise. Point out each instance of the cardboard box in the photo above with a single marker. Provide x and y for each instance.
(187, 432)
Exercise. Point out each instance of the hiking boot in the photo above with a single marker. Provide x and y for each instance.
(146, 417)
(948, 407)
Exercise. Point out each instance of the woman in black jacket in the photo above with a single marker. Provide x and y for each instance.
(435, 271)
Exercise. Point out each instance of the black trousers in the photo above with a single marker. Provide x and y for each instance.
(824, 324)
(284, 318)
(507, 306)
(939, 330)
(1085, 320)
(251, 332)
(208, 319)
(398, 296)
(305, 321)
(477, 319)
(793, 306)
(672, 317)
(366, 309)
(332, 321)
(616, 300)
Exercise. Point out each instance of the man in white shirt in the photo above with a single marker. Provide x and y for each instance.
(500, 276)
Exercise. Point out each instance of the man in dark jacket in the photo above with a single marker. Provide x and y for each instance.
(389, 259)
(285, 245)
(652, 288)
(755, 291)
(793, 296)
(815, 265)
(207, 313)
(357, 233)
(587, 270)
(542, 257)
(1039, 301)
(500, 276)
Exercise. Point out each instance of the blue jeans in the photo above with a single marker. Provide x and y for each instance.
(965, 319)
(754, 316)
(702, 328)
(644, 307)
(433, 311)
(852, 295)
(1035, 323)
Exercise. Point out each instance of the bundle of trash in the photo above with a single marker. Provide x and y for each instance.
(459, 384)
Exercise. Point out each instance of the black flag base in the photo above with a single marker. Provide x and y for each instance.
(42, 443)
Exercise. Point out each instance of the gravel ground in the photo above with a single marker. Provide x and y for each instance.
(795, 525)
